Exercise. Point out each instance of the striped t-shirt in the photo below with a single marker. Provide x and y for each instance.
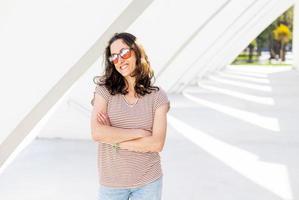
(124, 168)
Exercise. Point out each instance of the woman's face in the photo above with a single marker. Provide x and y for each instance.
(124, 66)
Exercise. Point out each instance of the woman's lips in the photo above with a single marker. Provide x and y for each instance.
(124, 67)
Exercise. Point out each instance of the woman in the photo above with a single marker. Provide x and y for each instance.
(129, 122)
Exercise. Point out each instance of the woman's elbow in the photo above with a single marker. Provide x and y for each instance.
(158, 147)
(96, 135)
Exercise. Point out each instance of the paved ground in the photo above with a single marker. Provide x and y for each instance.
(234, 137)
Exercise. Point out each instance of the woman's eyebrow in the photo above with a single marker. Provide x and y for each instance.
(119, 50)
(114, 53)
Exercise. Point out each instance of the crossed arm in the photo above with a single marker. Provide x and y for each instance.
(139, 140)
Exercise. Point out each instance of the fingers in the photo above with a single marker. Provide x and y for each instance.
(106, 118)
(145, 133)
(100, 119)
(148, 133)
(103, 118)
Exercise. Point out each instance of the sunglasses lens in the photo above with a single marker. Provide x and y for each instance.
(113, 58)
(125, 53)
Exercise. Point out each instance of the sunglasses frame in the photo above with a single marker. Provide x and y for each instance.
(120, 54)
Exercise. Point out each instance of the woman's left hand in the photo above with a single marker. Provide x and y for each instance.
(103, 119)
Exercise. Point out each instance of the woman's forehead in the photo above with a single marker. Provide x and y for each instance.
(117, 45)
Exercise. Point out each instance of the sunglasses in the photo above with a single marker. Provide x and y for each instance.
(125, 53)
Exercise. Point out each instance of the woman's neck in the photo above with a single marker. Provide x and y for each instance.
(131, 86)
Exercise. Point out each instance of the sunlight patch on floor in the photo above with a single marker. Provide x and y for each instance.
(253, 79)
(243, 96)
(264, 88)
(269, 123)
(271, 176)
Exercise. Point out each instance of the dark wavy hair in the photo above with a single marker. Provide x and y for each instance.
(143, 72)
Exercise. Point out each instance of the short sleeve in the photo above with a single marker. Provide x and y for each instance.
(161, 99)
(103, 91)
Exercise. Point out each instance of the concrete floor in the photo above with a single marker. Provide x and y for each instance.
(234, 137)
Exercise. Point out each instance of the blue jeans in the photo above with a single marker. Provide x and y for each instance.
(151, 191)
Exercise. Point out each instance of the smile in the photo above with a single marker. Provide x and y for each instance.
(124, 67)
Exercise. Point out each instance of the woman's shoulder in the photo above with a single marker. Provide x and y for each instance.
(102, 90)
(160, 91)
(161, 98)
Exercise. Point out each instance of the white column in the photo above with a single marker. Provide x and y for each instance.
(296, 36)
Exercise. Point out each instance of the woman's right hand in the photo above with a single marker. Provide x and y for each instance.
(103, 119)
(145, 133)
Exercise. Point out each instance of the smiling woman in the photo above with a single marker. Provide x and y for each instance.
(129, 122)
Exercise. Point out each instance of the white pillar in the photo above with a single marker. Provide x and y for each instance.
(296, 36)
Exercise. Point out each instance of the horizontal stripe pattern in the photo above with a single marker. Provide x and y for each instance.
(127, 169)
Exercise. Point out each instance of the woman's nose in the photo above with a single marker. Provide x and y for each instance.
(121, 60)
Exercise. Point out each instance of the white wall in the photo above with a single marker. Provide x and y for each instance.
(40, 41)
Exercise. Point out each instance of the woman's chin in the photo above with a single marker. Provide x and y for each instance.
(126, 74)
